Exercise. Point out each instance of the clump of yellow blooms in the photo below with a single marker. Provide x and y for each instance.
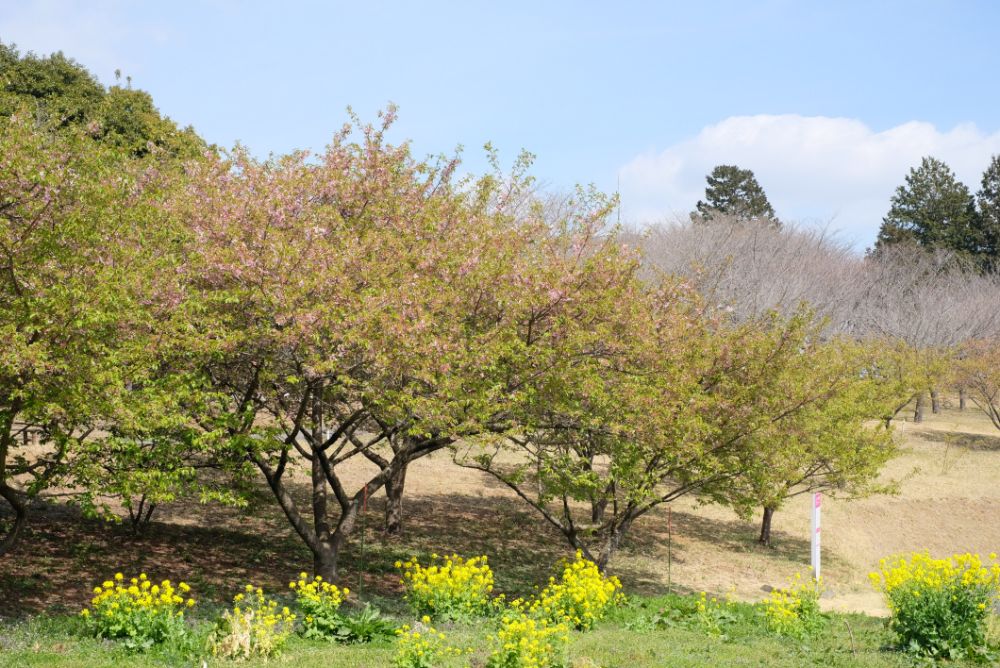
(794, 610)
(581, 595)
(319, 602)
(254, 627)
(138, 611)
(708, 613)
(940, 607)
(421, 646)
(527, 642)
(448, 588)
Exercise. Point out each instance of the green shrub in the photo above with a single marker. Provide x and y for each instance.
(527, 642)
(794, 611)
(449, 587)
(580, 597)
(363, 627)
(318, 605)
(421, 646)
(940, 607)
(138, 612)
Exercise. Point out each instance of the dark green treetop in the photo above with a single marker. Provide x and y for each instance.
(63, 95)
(734, 193)
(988, 204)
(933, 209)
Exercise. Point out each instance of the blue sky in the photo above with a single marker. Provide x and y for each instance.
(829, 103)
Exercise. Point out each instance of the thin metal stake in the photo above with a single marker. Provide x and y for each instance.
(364, 507)
(670, 541)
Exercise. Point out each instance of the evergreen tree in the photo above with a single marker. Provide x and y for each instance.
(734, 193)
(62, 91)
(933, 209)
(63, 95)
(988, 201)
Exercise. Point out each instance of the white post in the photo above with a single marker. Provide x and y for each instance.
(814, 561)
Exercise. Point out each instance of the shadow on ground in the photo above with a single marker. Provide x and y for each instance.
(970, 441)
(217, 550)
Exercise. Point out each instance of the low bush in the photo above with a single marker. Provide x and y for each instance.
(527, 642)
(421, 646)
(137, 612)
(940, 607)
(365, 626)
(794, 610)
(580, 597)
(448, 588)
(253, 627)
(318, 604)
(711, 614)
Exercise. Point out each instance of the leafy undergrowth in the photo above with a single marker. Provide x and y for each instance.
(646, 632)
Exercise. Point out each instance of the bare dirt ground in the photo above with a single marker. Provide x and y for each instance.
(949, 502)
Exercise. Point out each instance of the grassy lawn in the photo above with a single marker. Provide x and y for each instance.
(631, 638)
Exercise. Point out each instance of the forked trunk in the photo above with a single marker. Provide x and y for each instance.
(612, 543)
(324, 548)
(935, 402)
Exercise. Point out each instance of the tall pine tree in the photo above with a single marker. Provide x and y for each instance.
(734, 193)
(988, 201)
(933, 209)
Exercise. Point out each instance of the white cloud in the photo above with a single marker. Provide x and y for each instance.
(815, 169)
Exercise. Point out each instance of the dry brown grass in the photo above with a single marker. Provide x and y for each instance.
(949, 502)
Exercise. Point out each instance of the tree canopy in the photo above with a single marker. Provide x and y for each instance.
(734, 193)
(62, 95)
(934, 210)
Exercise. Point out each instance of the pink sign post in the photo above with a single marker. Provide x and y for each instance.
(814, 560)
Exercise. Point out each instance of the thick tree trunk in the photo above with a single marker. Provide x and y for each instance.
(935, 402)
(918, 410)
(325, 560)
(765, 528)
(961, 398)
(394, 502)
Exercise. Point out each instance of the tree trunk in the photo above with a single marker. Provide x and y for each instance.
(935, 402)
(324, 550)
(961, 398)
(18, 501)
(325, 560)
(394, 502)
(597, 509)
(615, 535)
(765, 528)
(918, 410)
(20, 508)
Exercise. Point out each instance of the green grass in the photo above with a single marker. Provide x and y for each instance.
(644, 633)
